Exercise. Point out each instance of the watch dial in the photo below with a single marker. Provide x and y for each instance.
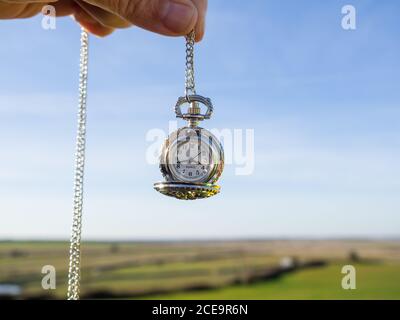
(191, 159)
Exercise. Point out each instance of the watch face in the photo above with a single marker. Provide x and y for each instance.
(191, 160)
(193, 155)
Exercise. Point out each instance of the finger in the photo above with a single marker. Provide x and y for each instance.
(64, 7)
(22, 10)
(91, 25)
(167, 17)
(25, 9)
(201, 6)
(43, 2)
(11, 9)
(102, 16)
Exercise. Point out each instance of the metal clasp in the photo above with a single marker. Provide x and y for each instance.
(194, 111)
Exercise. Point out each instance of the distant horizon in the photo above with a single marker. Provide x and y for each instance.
(188, 240)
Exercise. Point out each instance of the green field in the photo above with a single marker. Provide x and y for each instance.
(207, 270)
(373, 282)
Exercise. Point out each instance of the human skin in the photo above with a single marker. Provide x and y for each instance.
(102, 17)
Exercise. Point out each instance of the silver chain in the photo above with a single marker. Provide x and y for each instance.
(189, 72)
(74, 273)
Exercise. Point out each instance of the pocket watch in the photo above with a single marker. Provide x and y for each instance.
(192, 158)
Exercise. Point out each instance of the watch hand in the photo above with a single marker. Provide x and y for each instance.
(194, 156)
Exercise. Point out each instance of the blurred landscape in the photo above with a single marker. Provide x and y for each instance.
(262, 269)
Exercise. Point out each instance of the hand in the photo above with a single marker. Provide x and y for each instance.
(101, 17)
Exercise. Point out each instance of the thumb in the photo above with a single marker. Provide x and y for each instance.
(167, 17)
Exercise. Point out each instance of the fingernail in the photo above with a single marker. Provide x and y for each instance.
(176, 16)
(200, 32)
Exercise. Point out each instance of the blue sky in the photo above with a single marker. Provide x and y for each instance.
(324, 104)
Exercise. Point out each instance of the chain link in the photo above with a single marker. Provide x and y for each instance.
(189, 74)
(75, 245)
